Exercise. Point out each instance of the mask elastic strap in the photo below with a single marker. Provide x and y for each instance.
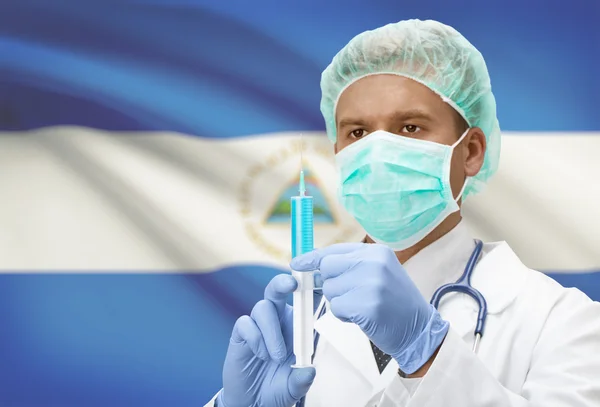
(462, 190)
(461, 138)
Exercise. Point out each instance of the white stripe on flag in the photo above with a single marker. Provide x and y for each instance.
(82, 199)
(544, 200)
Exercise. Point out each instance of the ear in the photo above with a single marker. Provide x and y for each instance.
(474, 150)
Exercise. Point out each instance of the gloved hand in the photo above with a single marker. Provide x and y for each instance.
(257, 368)
(365, 284)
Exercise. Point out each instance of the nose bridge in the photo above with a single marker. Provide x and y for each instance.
(384, 122)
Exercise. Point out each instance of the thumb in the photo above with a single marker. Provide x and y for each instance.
(312, 260)
(300, 381)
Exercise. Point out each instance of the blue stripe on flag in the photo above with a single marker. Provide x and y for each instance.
(589, 282)
(221, 71)
(130, 339)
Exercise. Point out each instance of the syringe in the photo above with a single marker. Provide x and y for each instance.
(302, 242)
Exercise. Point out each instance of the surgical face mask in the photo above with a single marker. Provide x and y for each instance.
(397, 188)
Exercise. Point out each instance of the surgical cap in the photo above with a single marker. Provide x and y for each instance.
(432, 54)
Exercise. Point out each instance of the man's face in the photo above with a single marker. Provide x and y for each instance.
(407, 108)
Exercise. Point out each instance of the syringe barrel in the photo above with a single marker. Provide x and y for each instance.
(302, 225)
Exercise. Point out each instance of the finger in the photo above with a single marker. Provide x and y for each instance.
(265, 315)
(338, 286)
(278, 290)
(312, 260)
(344, 308)
(246, 332)
(335, 265)
(299, 382)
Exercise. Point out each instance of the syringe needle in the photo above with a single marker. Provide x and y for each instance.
(302, 185)
(301, 151)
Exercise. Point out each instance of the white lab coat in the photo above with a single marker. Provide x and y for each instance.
(541, 347)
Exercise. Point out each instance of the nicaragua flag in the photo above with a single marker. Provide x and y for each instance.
(149, 150)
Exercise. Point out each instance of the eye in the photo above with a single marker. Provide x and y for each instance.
(410, 128)
(358, 133)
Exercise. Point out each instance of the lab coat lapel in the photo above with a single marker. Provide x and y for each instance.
(498, 276)
(352, 344)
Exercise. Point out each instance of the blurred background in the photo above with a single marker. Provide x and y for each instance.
(148, 150)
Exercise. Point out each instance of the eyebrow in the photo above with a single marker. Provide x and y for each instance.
(396, 116)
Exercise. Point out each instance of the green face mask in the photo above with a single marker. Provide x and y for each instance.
(397, 188)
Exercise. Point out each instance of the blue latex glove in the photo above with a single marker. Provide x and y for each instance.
(366, 284)
(257, 368)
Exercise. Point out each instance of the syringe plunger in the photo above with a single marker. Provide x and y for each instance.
(303, 319)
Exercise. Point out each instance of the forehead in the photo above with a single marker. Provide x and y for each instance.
(384, 95)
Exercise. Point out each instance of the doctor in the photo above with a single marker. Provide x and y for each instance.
(411, 114)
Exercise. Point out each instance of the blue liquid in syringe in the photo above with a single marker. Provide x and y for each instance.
(302, 221)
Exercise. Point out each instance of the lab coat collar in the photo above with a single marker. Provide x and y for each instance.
(442, 262)
(499, 276)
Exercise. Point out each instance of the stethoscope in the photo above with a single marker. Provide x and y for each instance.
(462, 285)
